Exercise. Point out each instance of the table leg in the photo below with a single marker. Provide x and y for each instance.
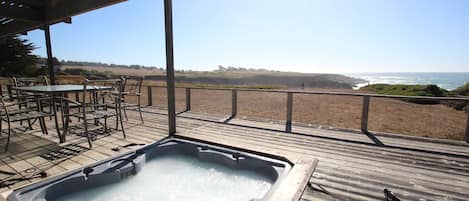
(56, 120)
(65, 115)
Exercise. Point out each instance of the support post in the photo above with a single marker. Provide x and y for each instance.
(234, 103)
(150, 95)
(466, 137)
(365, 109)
(289, 112)
(50, 58)
(188, 99)
(168, 19)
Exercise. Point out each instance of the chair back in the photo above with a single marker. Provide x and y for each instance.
(27, 82)
(98, 102)
(30, 81)
(114, 84)
(132, 86)
(92, 94)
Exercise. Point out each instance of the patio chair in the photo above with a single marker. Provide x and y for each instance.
(71, 80)
(132, 88)
(28, 82)
(97, 107)
(17, 111)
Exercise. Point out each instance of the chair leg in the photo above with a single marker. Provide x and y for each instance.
(45, 126)
(30, 125)
(125, 113)
(140, 109)
(50, 105)
(41, 125)
(88, 137)
(89, 140)
(119, 116)
(8, 139)
(105, 126)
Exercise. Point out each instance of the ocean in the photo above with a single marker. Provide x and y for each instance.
(444, 80)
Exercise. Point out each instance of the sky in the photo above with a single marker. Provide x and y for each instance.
(314, 36)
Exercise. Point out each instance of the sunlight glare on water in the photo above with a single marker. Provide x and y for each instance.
(176, 178)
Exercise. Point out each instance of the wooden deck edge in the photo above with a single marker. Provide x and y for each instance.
(292, 188)
(4, 195)
(359, 132)
(340, 129)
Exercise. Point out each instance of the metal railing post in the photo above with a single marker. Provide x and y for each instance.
(188, 99)
(365, 109)
(234, 102)
(149, 96)
(466, 137)
(289, 111)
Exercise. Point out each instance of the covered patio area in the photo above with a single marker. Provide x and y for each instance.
(352, 166)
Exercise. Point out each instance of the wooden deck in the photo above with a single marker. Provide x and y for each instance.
(352, 165)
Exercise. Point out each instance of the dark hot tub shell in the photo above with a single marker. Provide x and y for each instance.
(118, 168)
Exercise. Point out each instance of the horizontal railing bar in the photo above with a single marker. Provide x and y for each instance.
(328, 93)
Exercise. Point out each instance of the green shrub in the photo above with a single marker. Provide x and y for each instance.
(462, 90)
(406, 90)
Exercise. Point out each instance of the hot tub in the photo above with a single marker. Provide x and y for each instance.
(170, 169)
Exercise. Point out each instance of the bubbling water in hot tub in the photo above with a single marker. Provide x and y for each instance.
(177, 178)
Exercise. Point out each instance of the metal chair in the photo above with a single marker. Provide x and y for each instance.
(18, 111)
(30, 81)
(97, 106)
(21, 96)
(132, 87)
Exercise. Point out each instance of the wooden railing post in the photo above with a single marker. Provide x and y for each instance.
(234, 103)
(149, 96)
(289, 111)
(365, 109)
(188, 99)
(466, 137)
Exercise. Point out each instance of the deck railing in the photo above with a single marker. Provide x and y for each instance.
(290, 96)
(366, 97)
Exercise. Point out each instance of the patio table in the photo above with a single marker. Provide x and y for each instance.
(57, 92)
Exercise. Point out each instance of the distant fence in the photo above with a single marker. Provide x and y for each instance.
(290, 97)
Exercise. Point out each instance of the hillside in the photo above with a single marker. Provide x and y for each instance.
(224, 76)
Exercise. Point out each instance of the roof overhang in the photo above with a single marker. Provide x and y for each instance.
(21, 16)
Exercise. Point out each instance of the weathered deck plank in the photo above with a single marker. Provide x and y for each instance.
(352, 166)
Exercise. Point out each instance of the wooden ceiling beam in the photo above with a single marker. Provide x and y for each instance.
(29, 16)
(21, 13)
(40, 4)
(59, 10)
(22, 27)
(18, 27)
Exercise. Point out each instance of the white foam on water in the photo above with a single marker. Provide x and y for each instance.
(177, 178)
